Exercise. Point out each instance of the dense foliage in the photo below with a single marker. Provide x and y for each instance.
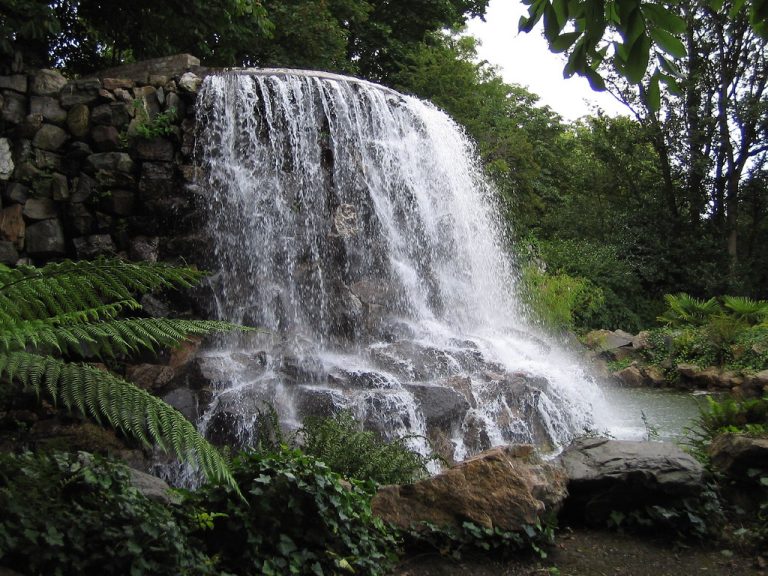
(78, 514)
(57, 319)
(731, 333)
(300, 518)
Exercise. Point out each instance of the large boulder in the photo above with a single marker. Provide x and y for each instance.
(606, 476)
(507, 487)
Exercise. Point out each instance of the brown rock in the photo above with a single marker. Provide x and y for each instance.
(12, 224)
(506, 487)
(157, 149)
(654, 376)
(631, 376)
(50, 137)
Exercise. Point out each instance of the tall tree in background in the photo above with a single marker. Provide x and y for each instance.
(710, 133)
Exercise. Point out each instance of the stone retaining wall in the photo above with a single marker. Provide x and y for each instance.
(85, 168)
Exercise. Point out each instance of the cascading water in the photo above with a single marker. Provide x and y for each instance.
(354, 225)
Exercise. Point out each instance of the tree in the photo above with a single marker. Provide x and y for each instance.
(629, 34)
(54, 318)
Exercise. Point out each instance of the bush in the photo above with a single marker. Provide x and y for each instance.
(349, 450)
(558, 302)
(69, 514)
(300, 518)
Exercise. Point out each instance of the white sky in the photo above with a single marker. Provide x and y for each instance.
(525, 59)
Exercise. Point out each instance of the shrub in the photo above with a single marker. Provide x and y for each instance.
(349, 450)
(558, 301)
(300, 518)
(69, 514)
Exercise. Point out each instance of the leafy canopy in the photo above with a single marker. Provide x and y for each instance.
(631, 34)
(54, 318)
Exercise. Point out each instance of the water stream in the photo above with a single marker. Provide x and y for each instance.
(353, 223)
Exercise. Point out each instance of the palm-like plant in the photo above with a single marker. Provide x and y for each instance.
(747, 310)
(684, 309)
(54, 318)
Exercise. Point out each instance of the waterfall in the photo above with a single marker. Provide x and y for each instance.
(354, 225)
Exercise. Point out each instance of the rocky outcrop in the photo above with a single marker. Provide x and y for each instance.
(606, 476)
(506, 487)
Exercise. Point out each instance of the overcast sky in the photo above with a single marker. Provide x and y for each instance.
(525, 59)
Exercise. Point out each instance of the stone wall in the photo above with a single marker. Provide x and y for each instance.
(90, 167)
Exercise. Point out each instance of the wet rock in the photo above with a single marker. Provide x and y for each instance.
(84, 188)
(40, 209)
(80, 218)
(8, 253)
(152, 487)
(734, 455)
(442, 407)
(79, 120)
(155, 150)
(14, 109)
(47, 83)
(49, 161)
(49, 109)
(105, 138)
(109, 162)
(6, 159)
(185, 401)
(16, 82)
(45, 239)
(121, 202)
(144, 248)
(50, 137)
(17, 192)
(59, 187)
(611, 475)
(317, 402)
(94, 245)
(505, 488)
(85, 91)
(630, 376)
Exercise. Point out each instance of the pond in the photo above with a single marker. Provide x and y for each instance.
(637, 413)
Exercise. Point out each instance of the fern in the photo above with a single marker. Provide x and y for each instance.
(69, 310)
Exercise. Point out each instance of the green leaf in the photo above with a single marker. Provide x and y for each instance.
(637, 63)
(653, 93)
(662, 18)
(596, 81)
(669, 43)
(563, 42)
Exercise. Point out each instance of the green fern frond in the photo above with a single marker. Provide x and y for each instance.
(101, 395)
(58, 288)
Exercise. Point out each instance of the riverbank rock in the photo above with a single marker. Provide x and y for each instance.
(734, 454)
(506, 487)
(606, 476)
